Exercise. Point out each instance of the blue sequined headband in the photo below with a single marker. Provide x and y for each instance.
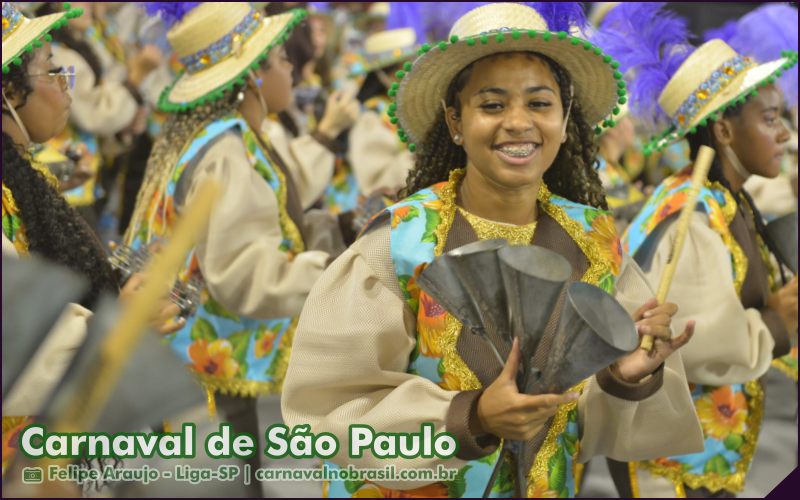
(718, 80)
(225, 46)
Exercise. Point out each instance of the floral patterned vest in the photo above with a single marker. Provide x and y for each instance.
(419, 228)
(229, 353)
(730, 415)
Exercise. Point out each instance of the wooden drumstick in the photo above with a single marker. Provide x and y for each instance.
(120, 344)
(701, 166)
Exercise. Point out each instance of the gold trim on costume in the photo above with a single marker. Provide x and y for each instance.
(488, 230)
(10, 209)
(739, 258)
(253, 388)
(714, 482)
(287, 224)
(634, 479)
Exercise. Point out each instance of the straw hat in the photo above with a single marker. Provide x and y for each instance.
(387, 48)
(494, 29)
(713, 78)
(21, 33)
(218, 44)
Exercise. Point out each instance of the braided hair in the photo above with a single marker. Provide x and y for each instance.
(572, 175)
(704, 136)
(53, 228)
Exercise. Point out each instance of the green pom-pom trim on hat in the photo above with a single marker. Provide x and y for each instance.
(470, 42)
(484, 39)
(621, 84)
(622, 100)
(615, 111)
(598, 130)
(442, 46)
(407, 66)
(621, 92)
(532, 34)
(515, 34)
(412, 147)
(597, 50)
(547, 36)
(500, 38)
(561, 35)
(400, 74)
(393, 120)
(453, 38)
(574, 40)
(6, 70)
(587, 45)
(45, 36)
(425, 47)
(617, 75)
(170, 107)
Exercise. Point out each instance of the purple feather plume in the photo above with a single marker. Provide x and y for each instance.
(762, 34)
(171, 12)
(650, 44)
(561, 16)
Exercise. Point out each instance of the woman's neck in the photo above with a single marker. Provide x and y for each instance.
(735, 180)
(11, 128)
(252, 110)
(485, 198)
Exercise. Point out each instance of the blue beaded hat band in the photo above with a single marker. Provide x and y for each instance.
(22, 34)
(387, 48)
(219, 43)
(710, 80)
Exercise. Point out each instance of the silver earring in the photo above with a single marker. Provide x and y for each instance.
(240, 96)
(458, 139)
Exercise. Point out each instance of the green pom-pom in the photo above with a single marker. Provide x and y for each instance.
(607, 123)
(615, 64)
(598, 130)
(425, 47)
(407, 66)
(500, 38)
(778, 74)
(442, 46)
(6, 70)
(547, 36)
(48, 37)
(470, 42)
(484, 39)
(771, 80)
(704, 122)
(412, 147)
(38, 43)
(575, 40)
(753, 93)
(606, 58)
(394, 120)
(561, 35)
(515, 34)
(532, 34)
(615, 111)
(622, 100)
(621, 84)
(404, 139)
(587, 45)
(400, 74)
(693, 130)
(392, 107)
(597, 50)
(453, 38)
(621, 92)
(392, 93)
(17, 61)
(617, 75)
(29, 47)
(67, 6)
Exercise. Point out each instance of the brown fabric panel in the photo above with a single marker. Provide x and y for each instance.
(778, 330)
(473, 350)
(617, 387)
(621, 477)
(460, 414)
(293, 206)
(755, 289)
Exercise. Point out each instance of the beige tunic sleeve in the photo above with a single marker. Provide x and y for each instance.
(102, 109)
(310, 163)
(663, 423)
(350, 355)
(44, 372)
(378, 162)
(238, 251)
(731, 344)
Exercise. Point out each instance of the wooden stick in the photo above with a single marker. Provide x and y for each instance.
(121, 342)
(701, 166)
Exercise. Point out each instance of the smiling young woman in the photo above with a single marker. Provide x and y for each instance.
(499, 120)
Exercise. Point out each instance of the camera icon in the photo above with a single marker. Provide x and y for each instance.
(32, 475)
